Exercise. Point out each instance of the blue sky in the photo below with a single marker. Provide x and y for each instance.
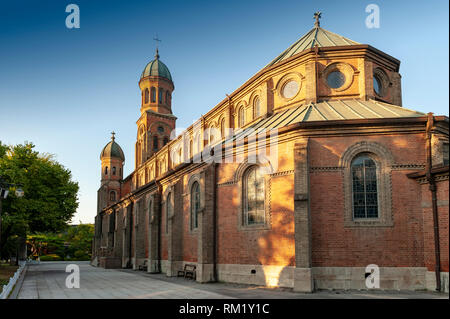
(67, 89)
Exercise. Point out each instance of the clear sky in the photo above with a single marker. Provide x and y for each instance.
(65, 90)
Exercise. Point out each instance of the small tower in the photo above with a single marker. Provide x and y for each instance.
(156, 122)
(113, 159)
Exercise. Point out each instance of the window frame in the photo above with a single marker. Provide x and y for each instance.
(364, 155)
(193, 211)
(239, 180)
(245, 197)
(384, 161)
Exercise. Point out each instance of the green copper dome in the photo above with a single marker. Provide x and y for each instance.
(156, 68)
(112, 149)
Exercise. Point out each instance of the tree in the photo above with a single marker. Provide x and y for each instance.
(50, 199)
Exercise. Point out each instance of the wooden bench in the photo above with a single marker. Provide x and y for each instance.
(188, 272)
(144, 266)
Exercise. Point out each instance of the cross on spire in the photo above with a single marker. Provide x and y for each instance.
(317, 16)
(156, 39)
(112, 135)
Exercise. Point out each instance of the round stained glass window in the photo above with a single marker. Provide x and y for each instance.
(377, 85)
(336, 79)
(290, 89)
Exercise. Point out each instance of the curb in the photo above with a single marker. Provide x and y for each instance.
(16, 289)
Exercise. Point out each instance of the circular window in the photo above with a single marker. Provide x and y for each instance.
(336, 79)
(377, 86)
(160, 129)
(290, 89)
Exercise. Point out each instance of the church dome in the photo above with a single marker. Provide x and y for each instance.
(112, 149)
(156, 68)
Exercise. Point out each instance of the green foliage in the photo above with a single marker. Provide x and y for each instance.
(50, 199)
(74, 243)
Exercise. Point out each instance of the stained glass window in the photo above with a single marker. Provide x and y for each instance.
(195, 204)
(254, 193)
(365, 195)
(169, 210)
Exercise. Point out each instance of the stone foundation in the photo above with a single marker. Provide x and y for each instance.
(110, 262)
(431, 281)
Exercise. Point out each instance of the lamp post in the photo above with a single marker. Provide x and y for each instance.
(4, 191)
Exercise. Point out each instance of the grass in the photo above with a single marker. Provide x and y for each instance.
(6, 272)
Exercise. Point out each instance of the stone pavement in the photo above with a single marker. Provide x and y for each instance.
(47, 281)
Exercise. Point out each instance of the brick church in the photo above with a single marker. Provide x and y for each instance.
(303, 176)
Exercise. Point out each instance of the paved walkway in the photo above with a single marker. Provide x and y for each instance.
(47, 281)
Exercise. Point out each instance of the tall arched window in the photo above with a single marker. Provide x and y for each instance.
(106, 170)
(153, 95)
(169, 210)
(222, 128)
(198, 141)
(146, 96)
(165, 140)
(364, 186)
(254, 195)
(241, 116)
(112, 196)
(256, 107)
(167, 97)
(155, 142)
(114, 170)
(161, 96)
(195, 204)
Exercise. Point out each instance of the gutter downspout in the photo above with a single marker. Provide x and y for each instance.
(159, 225)
(432, 188)
(129, 265)
(215, 224)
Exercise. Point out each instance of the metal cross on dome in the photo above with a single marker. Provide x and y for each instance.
(113, 137)
(317, 16)
(157, 40)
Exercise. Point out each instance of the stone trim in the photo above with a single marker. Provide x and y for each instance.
(408, 166)
(384, 161)
(319, 169)
(199, 178)
(283, 173)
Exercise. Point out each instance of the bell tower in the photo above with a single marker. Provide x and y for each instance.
(156, 122)
(112, 159)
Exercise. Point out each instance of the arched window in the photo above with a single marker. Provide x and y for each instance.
(241, 116)
(106, 170)
(222, 128)
(153, 95)
(165, 140)
(146, 96)
(161, 96)
(112, 195)
(167, 97)
(114, 170)
(169, 210)
(256, 107)
(199, 143)
(195, 204)
(155, 143)
(364, 186)
(254, 195)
